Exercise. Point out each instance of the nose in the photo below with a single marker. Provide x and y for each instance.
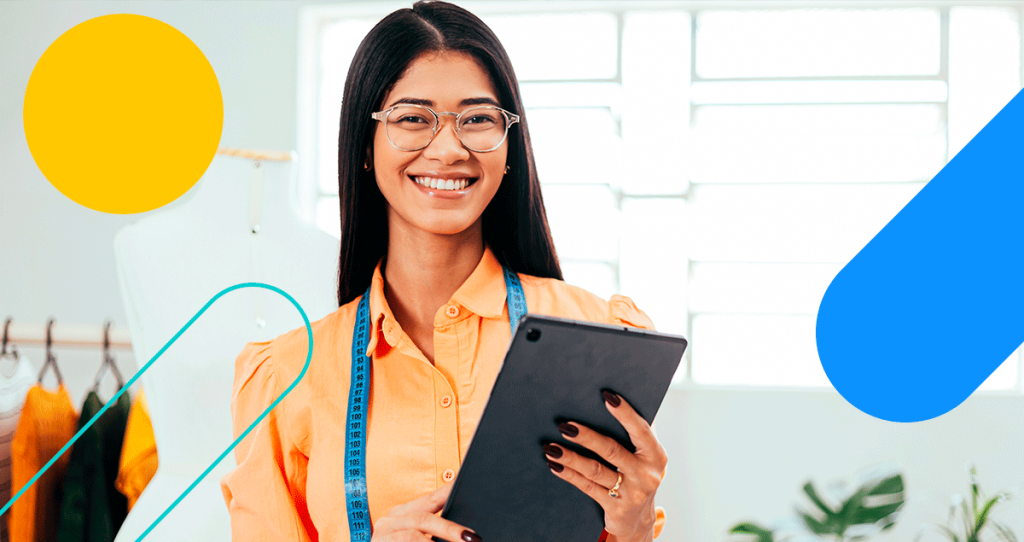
(446, 146)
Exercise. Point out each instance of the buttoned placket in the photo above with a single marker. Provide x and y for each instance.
(446, 409)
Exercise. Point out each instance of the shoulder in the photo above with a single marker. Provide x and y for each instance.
(286, 355)
(264, 370)
(553, 297)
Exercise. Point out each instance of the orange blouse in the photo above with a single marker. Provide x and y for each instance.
(290, 479)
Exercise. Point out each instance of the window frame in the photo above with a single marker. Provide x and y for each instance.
(314, 18)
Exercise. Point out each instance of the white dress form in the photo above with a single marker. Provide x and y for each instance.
(241, 226)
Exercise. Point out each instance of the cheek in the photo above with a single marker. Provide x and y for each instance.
(495, 163)
(380, 149)
(388, 162)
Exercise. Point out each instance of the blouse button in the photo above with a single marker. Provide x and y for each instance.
(448, 475)
(446, 401)
(452, 311)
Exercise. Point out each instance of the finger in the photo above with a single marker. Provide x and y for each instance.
(432, 525)
(584, 484)
(640, 432)
(637, 427)
(605, 447)
(594, 470)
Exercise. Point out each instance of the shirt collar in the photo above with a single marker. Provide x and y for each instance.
(484, 290)
(382, 321)
(483, 293)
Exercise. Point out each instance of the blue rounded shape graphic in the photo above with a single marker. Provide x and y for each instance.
(934, 303)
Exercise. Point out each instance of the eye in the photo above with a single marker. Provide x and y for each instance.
(480, 119)
(412, 119)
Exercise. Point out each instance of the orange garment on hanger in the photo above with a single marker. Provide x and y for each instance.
(48, 421)
(138, 454)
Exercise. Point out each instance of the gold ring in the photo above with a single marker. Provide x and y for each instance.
(614, 491)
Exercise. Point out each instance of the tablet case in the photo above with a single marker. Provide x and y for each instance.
(554, 371)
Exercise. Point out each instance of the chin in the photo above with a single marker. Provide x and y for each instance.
(446, 225)
(448, 229)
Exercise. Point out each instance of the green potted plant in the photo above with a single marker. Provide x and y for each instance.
(871, 507)
(966, 523)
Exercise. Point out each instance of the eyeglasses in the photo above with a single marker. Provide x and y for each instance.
(412, 127)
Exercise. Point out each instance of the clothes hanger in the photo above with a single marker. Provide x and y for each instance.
(3, 349)
(51, 360)
(108, 361)
(13, 354)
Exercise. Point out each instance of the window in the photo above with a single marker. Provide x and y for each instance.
(719, 164)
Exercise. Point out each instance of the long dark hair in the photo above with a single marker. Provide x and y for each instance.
(515, 225)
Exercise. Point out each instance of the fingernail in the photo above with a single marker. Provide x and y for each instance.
(568, 430)
(612, 399)
(470, 536)
(553, 451)
(555, 466)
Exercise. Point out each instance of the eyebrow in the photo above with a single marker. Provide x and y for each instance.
(482, 100)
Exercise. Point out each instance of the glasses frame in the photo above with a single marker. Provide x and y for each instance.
(382, 116)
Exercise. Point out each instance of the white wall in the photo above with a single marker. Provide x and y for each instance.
(738, 455)
(735, 454)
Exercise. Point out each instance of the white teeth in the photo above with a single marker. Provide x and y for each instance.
(442, 184)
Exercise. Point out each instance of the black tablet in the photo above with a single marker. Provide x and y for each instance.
(554, 371)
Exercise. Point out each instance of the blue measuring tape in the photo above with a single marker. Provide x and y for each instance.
(359, 387)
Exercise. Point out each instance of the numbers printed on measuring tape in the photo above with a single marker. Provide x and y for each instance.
(355, 477)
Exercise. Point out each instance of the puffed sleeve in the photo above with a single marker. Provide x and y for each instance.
(624, 312)
(266, 493)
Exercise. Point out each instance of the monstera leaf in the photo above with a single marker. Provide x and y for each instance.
(870, 508)
(762, 534)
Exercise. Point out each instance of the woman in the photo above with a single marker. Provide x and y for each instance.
(432, 209)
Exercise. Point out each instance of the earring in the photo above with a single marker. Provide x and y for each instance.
(366, 166)
(506, 170)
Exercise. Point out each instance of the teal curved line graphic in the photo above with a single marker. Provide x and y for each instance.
(309, 356)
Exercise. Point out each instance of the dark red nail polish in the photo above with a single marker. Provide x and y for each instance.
(553, 451)
(612, 399)
(470, 536)
(568, 430)
(555, 466)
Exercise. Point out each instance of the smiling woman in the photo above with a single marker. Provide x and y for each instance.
(419, 183)
(443, 229)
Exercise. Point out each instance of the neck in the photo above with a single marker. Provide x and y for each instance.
(423, 270)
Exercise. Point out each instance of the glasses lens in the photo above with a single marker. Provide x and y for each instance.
(482, 128)
(410, 127)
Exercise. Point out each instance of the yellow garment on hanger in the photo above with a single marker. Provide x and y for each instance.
(138, 453)
(48, 421)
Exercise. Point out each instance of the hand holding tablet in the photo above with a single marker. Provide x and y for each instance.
(549, 393)
(626, 493)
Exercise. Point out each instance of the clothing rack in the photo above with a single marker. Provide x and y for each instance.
(67, 335)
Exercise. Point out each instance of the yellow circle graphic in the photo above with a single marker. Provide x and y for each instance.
(123, 113)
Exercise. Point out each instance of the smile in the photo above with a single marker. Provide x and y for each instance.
(444, 184)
